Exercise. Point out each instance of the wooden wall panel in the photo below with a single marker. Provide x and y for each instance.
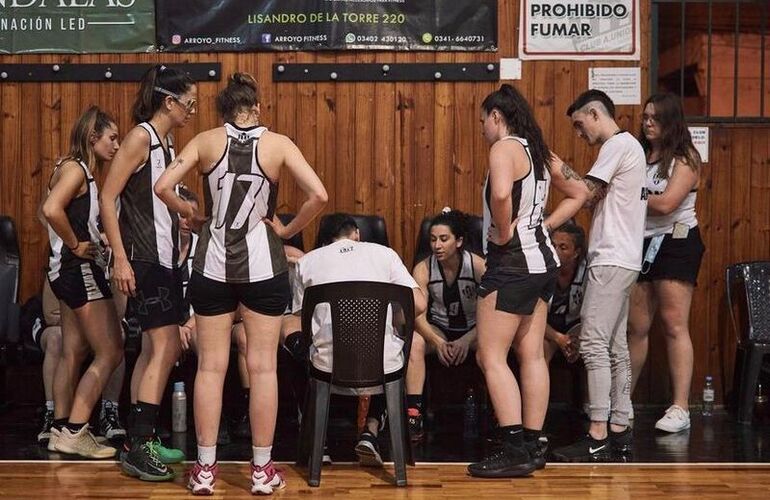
(403, 150)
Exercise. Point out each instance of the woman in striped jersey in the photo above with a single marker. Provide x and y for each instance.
(77, 273)
(239, 260)
(520, 278)
(145, 246)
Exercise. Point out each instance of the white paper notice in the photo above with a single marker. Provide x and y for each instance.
(700, 139)
(510, 69)
(623, 85)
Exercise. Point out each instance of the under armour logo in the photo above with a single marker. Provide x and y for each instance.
(161, 300)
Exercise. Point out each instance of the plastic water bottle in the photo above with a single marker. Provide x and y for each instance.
(470, 416)
(179, 408)
(708, 397)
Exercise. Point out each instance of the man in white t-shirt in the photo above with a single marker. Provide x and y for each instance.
(349, 259)
(618, 197)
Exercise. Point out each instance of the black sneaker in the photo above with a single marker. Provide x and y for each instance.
(109, 422)
(509, 461)
(47, 423)
(368, 451)
(622, 444)
(142, 461)
(414, 419)
(587, 449)
(537, 450)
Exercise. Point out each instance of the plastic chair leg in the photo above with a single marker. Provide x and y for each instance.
(394, 396)
(752, 363)
(306, 427)
(322, 392)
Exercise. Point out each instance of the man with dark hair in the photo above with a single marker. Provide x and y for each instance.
(346, 258)
(618, 196)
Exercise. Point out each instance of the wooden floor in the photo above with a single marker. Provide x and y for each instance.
(40, 480)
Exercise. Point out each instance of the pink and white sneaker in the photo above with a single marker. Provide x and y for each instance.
(202, 479)
(266, 479)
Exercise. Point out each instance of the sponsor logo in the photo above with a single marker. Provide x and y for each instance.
(593, 450)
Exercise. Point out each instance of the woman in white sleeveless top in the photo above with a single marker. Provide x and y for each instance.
(672, 251)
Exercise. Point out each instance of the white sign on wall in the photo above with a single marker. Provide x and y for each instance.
(579, 29)
(700, 139)
(623, 85)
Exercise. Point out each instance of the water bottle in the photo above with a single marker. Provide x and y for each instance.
(708, 397)
(470, 416)
(179, 408)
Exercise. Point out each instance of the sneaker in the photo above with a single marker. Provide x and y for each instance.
(676, 419)
(142, 461)
(55, 434)
(367, 450)
(109, 422)
(202, 479)
(168, 455)
(414, 419)
(266, 479)
(621, 444)
(537, 451)
(509, 461)
(45, 431)
(587, 449)
(82, 443)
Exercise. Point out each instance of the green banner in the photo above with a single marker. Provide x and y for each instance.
(76, 26)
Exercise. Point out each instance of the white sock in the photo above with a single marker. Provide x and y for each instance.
(49, 405)
(207, 455)
(261, 455)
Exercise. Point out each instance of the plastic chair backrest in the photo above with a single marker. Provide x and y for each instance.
(358, 314)
(9, 244)
(473, 238)
(371, 228)
(753, 278)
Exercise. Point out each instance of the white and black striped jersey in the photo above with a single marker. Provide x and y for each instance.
(452, 307)
(83, 216)
(235, 244)
(530, 250)
(683, 214)
(150, 231)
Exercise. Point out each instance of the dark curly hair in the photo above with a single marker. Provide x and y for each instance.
(455, 220)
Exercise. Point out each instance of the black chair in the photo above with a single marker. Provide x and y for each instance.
(473, 239)
(359, 311)
(752, 281)
(9, 282)
(371, 228)
(295, 241)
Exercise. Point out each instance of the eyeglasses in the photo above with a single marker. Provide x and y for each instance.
(188, 106)
(651, 118)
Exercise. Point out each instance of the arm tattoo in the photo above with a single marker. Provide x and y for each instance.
(568, 173)
(598, 191)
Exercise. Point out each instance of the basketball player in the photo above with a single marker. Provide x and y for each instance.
(673, 250)
(240, 260)
(145, 246)
(77, 274)
(448, 278)
(520, 278)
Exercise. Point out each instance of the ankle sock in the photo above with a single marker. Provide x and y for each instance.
(74, 428)
(59, 423)
(261, 455)
(414, 401)
(207, 455)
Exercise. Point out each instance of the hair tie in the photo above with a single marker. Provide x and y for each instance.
(446, 210)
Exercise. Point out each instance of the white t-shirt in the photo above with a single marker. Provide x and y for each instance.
(617, 227)
(348, 260)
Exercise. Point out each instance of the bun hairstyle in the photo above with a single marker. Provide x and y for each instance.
(520, 120)
(456, 220)
(92, 123)
(149, 100)
(241, 93)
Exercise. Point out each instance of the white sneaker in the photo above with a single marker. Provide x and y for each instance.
(55, 433)
(82, 443)
(266, 479)
(676, 419)
(202, 479)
